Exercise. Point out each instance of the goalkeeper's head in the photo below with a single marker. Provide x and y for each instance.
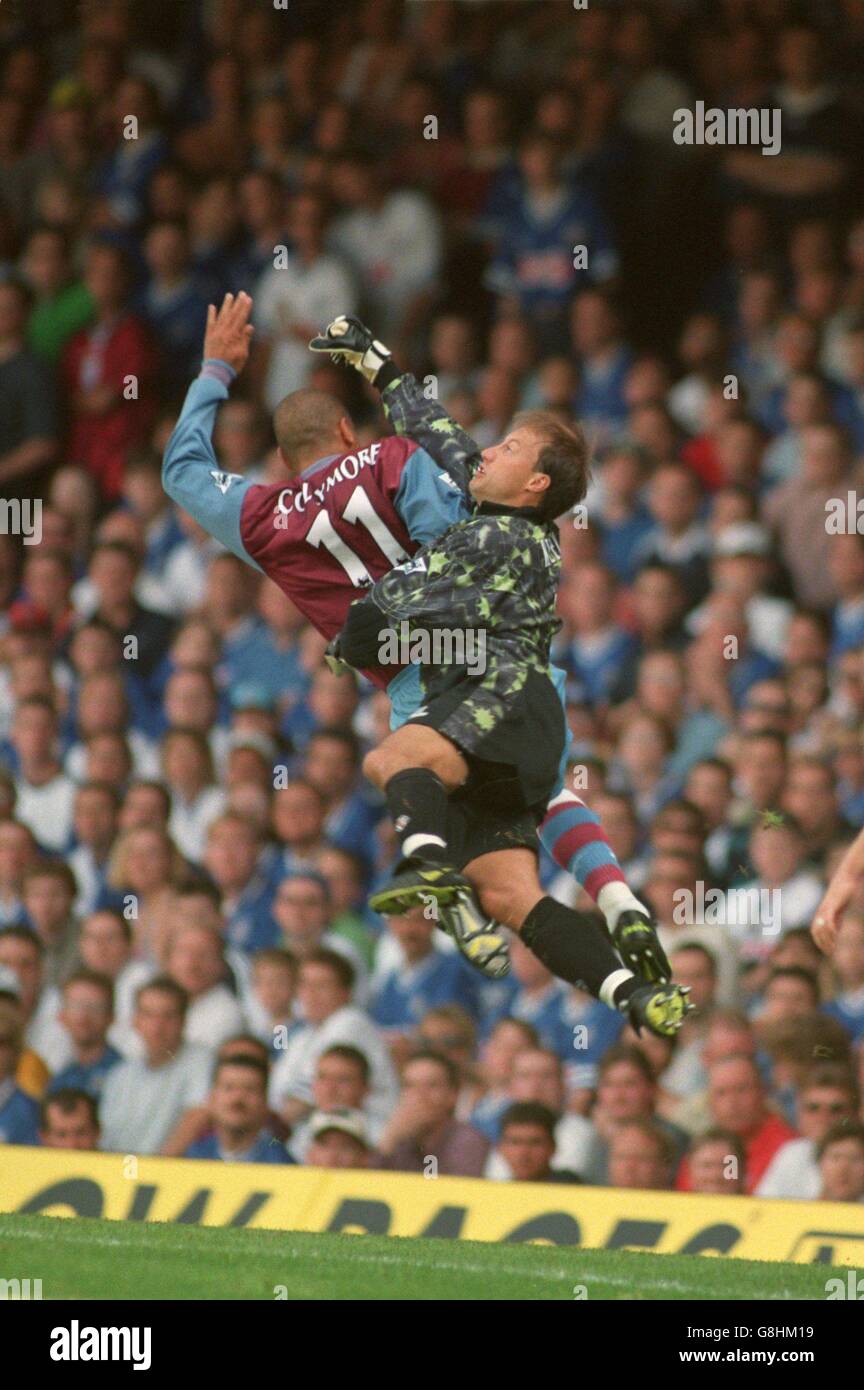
(309, 425)
(541, 463)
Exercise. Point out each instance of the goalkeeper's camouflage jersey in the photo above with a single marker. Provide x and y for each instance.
(496, 572)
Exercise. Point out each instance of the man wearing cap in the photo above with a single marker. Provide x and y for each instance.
(338, 1139)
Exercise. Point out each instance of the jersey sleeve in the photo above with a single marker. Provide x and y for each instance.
(191, 475)
(426, 421)
(428, 500)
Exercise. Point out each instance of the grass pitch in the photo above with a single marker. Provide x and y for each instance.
(79, 1258)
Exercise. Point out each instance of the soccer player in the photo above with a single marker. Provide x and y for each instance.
(469, 774)
(343, 519)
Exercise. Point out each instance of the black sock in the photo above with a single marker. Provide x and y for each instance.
(576, 948)
(417, 802)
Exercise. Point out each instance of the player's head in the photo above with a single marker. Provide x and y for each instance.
(309, 425)
(541, 462)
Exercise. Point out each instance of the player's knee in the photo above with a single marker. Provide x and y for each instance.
(497, 902)
(375, 767)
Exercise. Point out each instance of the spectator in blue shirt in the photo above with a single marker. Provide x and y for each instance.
(19, 1113)
(332, 764)
(553, 240)
(425, 977)
(604, 360)
(174, 302)
(233, 858)
(238, 1108)
(598, 649)
(623, 516)
(87, 1012)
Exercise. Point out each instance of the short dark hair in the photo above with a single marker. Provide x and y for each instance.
(796, 972)
(845, 1130)
(67, 1099)
(678, 946)
(347, 1053)
(94, 978)
(20, 932)
(306, 419)
(346, 737)
(733, 1143)
(633, 1056)
(530, 1112)
(256, 1064)
(429, 1055)
(563, 457)
(163, 984)
(336, 963)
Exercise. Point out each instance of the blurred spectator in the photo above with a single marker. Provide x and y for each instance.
(144, 1101)
(238, 1106)
(827, 1098)
(422, 1135)
(69, 1119)
(527, 1143)
(841, 1164)
(28, 426)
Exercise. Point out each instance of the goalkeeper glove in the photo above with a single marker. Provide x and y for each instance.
(346, 339)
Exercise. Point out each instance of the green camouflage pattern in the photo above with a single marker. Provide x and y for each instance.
(497, 572)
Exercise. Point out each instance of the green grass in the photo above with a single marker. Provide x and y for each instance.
(81, 1259)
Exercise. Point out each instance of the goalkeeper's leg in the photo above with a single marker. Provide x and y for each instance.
(571, 944)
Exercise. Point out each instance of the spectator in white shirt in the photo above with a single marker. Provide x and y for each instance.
(393, 243)
(196, 801)
(538, 1076)
(195, 961)
(269, 1002)
(103, 708)
(144, 1101)
(105, 945)
(828, 1097)
(44, 793)
(324, 992)
(295, 297)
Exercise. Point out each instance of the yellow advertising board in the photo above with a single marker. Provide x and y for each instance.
(125, 1188)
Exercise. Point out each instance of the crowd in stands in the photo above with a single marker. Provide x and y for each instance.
(186, 840)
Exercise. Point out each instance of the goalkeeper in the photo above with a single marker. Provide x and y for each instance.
(469, 774)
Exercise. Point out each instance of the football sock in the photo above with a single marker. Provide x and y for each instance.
(575, 838)
(576, 949)
(417, 802)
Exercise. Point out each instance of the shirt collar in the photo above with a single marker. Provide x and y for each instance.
(499, 509)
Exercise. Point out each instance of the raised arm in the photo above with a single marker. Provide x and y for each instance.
(410, 411)
(191, 475)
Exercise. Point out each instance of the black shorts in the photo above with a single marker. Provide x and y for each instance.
(473, 830)
(513, 767)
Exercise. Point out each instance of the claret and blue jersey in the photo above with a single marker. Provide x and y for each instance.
(324, 536)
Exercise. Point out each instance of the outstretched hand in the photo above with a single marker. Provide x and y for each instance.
(229, 332)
